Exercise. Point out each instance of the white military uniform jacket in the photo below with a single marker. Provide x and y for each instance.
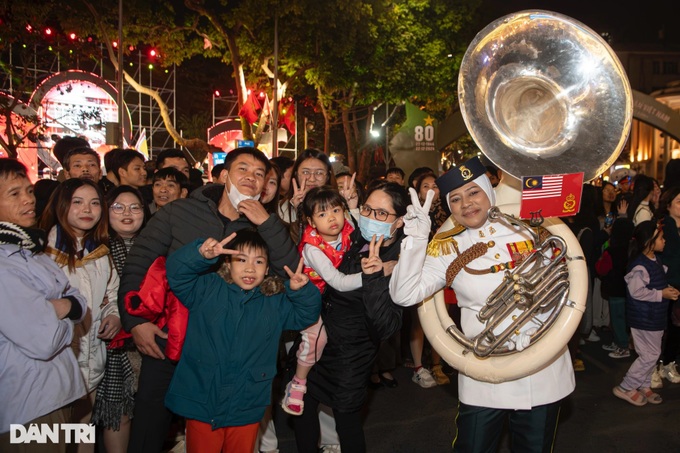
(418, 275)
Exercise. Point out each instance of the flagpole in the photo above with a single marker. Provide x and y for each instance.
(275, 113)
(120, 101)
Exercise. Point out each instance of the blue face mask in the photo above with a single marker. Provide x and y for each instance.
(370, 227)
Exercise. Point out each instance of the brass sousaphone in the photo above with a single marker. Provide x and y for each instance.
(540, 94)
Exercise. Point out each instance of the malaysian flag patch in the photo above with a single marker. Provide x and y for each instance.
(551, 195)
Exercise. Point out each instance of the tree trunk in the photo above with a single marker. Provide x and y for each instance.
(190, 144)
(326, 123)
(349, 141)
(241, 88)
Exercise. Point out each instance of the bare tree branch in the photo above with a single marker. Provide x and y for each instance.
(191, 144)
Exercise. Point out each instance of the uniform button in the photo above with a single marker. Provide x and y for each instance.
(264, 374)
(491, 244)
(497, 256)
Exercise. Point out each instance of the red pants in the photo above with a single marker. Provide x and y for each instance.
(201, 438)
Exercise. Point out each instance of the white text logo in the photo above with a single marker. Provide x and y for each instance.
(78, 433)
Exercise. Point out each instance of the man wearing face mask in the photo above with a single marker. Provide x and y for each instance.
(212, 211)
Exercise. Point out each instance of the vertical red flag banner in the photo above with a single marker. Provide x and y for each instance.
(552, 195)
(287, 116)
(250, 109)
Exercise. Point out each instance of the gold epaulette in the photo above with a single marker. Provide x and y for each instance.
(443, 243)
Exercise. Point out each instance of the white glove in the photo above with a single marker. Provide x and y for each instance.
(522, 340)
(417, 219)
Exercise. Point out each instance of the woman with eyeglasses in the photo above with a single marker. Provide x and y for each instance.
(312, 169)
(356, 322)
(114, 402)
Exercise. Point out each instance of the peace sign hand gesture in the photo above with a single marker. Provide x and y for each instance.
(211, 248)
(349, 193)
(372, 263)
(299, 193)
(297, 279)
(417, 221)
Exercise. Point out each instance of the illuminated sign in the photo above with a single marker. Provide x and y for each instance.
(79, 103)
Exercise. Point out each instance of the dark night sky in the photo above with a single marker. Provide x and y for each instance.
(628, 21)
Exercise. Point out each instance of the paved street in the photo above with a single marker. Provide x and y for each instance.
(410, 419)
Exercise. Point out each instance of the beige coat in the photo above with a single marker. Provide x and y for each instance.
(97, 280)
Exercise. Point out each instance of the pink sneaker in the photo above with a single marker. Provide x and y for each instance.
(292, 402)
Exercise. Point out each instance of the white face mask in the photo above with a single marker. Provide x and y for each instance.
(237, 197)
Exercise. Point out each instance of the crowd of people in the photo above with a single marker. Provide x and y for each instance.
(141, 301)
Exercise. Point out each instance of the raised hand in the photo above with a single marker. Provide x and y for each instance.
(373, 263)
(211, 248)
(298, 193)
(254, 211)
(349, 193)
(297, 279)
(417, 221)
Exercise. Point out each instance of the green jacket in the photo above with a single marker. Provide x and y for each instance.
(228, 361)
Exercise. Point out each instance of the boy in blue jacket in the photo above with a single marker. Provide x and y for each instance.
(222, 383)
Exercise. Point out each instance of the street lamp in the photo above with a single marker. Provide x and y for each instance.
(216, 94)
(308, 127)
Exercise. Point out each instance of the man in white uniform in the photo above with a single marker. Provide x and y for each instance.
(531, 403)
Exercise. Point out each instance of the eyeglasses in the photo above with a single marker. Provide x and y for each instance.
(379, 214)
(318, 174)
(120, 208)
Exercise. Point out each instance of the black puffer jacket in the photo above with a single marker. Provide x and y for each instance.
(356, 322)
(185, 220)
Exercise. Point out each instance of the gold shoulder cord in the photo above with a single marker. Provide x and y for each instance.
(465, 258)
(474, 252)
